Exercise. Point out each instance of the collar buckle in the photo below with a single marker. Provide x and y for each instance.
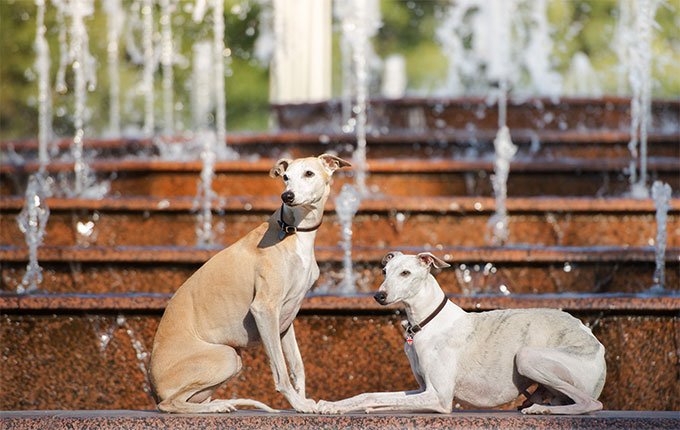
(411, 330)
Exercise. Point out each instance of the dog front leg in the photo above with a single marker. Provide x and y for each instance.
(404, 401)
(294, 359)
(266, 315)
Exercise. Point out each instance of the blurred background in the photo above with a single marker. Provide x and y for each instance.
(411, 29)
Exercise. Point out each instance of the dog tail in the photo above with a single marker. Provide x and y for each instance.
(254, 404)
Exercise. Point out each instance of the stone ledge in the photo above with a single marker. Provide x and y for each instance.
(436, 204)
(289, 420)
(354, 303)
(282, 137)
(508, 254)
(385, 166)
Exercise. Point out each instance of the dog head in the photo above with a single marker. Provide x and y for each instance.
(307, 180)
(405, 275)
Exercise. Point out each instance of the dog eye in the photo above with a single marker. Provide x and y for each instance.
(309, 174)
(285, 177)
(405, 273)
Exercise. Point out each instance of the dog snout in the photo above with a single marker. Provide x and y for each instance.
(288, 197)
(380, 297)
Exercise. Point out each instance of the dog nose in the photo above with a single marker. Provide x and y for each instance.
(380, 297)
(288, 197)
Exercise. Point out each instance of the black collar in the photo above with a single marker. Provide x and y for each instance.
(411, 330)
(288, 229)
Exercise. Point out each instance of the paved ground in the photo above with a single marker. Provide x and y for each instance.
(121, 419)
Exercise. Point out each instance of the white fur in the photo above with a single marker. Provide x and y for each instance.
(485, 359)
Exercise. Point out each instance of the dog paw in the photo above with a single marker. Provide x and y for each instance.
(221, 406)
(536, 409)
(305, 406)
(327, 408)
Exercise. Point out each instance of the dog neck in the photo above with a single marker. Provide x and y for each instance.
(425, 302)
(303, 216)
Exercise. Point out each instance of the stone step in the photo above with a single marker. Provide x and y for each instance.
(478, 113)
(360, 302)
(519, 269)
(407, 177)
(385, 222)
(245, 420)
(533, 143)
(91, 352)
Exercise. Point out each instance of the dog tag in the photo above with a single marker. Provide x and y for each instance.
(409, 340)
(282, 235)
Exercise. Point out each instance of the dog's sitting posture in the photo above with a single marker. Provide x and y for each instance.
(485, 359)
(247, 293)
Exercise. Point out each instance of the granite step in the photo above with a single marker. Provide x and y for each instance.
(434, 114)
(245, 420)
(386, 222)
(405, 177)
(499, 270)
(455, 143)
(92, 350)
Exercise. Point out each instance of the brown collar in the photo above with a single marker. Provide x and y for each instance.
(411, 330)
(288, 229)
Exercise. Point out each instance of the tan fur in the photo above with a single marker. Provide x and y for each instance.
(249, 292)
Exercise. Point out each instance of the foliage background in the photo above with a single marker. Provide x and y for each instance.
(408, 29)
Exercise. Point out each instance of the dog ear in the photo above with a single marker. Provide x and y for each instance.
(389, 256)
(332, 162)
(429, 259)
(280, 167)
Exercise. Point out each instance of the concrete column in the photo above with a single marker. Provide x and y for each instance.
(301, 65)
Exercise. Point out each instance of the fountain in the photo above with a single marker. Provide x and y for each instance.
(202, 104)
(167, 60)
(346, 206)
(149, 66)
(486, 42)
(640, 77)
(42, 65)
(32, 222)
(538, 52)
(436, 195)
(218, 63)
(77, 53)
(360, 20)
(661, 194)
(505, 150)
(581, 79)
(115, 16)
(205, 194)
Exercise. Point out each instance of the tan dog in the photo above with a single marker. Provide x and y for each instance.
(247, 293)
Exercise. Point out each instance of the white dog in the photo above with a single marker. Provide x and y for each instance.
(247, 293)
(485, 359)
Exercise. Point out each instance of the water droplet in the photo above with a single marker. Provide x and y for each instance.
(85, 228)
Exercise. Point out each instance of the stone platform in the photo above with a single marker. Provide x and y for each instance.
(91, 351)
(288, 420)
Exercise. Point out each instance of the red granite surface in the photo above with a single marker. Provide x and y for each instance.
(55, 358)
(133, 420)
(384, 222)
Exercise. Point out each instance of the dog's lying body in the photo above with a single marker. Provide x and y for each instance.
(485, 359)
(247, 293)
